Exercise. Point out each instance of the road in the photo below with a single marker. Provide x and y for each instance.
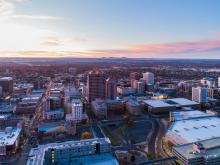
(152, 141)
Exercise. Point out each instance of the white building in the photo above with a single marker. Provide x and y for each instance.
(149, 78)
(199, 94)
(88, 151)
(9, 140)
(77, 110)
(219, 82)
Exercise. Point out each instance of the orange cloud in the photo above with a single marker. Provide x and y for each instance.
(146, 50)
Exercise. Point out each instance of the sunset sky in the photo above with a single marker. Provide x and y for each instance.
(110, 28)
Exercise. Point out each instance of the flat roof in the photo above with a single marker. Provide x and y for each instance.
(157, 103)
(6, 78)
(193, 130)
(183, 101)
(212, 147)
(189, 114)
(9, 138)
(36, 155)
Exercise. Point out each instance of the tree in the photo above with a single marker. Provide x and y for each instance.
(128, 120)
(86, 135)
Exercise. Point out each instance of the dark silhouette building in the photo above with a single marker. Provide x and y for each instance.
(96, 85)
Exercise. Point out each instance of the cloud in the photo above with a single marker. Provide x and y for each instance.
(146, 50)
(6, 7)
(36, 17)
(52, 42)
(191, 49)
(7, 11)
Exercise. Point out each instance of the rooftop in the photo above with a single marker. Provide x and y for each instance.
(36, 155)
(183, 101)
(6, 78)
(157, 103)
(9, 136)
(170, 102)
(211, 146)
(193, 130)
(190, 114)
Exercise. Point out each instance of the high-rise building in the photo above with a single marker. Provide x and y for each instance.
(208, 82)
(199, 94)
(110, 89)
(140, 87)
(149, 78)
(77, 110)
(96, 85)
(219, 82)
(7, 84)
(134, 76)
(1, 91)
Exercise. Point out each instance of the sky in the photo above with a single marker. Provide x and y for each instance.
(110, 28)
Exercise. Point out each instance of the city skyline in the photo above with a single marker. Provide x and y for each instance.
(94, 28)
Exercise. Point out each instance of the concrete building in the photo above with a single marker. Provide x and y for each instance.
(208, 82)
(56, 114)
(166, 105)
(219, 82)
(96, 85)
(199, 94)
(77, 110)
(133, 107)
(125, 91)
(140, 87)
(148, 77)
(55, 102)
(87, 152)
(206, 152)
(99, 108)
(1, 91)
(134, 76)
(9, 140)
(7, 84)
(110, 89)
(22, 89)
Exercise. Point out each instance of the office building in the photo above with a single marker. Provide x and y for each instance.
(134, 76)
(208, 82)
(148, 77)
(199, 94)
(219, 82)
(133, 107)
(1, 91)
(140, 87)
(99, 108)
(110, 89)
(56, 114)
(77, 110)
(125, 91)
(96, 85)
(9, 140)
(7, 84)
